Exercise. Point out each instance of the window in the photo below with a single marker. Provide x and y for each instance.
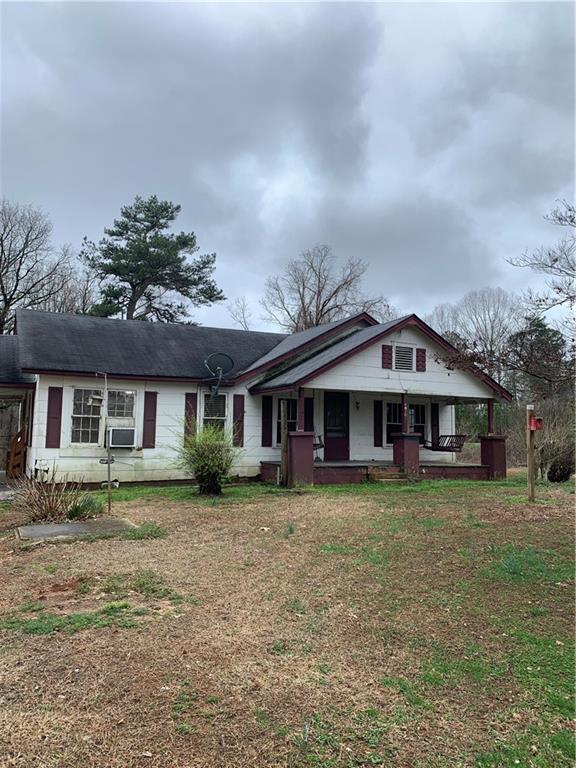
(417, 420)
(403, 358)
(86, 409)
(292, 414)
(120, 403)
(214, 411)
(393, 420)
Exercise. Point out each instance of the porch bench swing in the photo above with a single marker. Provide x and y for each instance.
(448, 443)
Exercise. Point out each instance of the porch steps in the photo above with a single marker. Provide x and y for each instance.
(387, 475)
(393, 480)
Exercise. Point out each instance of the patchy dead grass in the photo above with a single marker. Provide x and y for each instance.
(417, 627)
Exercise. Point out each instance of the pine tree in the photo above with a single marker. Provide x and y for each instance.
(144, 270)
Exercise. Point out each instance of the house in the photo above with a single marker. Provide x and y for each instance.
(362, 398)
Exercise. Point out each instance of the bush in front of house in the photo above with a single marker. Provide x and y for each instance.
(85, 507)
(53, 501)
(207, 456)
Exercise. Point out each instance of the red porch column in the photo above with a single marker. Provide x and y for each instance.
(493, 455)
(300, 423)
(406, 453)
(491, 416)
(300, 458)
(404, 409)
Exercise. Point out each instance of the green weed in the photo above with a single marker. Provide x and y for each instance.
(289, 530)
(118, 614)
(405, 687)
(295, 606)
(335, 549)
(279, 647)
(515, 563)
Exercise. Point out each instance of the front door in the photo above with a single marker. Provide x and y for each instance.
(336, 426)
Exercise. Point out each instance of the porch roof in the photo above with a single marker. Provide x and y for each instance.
(305, 370)
(300, 374)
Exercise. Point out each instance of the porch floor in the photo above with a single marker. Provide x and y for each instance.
(339, 472)
(381, 463)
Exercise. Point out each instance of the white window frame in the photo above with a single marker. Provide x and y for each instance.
(132, 392)
(277, 442)
(419, 402)
(404, 346)
(86, 416)
(206, 393)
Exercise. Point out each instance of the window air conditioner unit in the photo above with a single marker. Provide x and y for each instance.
(121, 437)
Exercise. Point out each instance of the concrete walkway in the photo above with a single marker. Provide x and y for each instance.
(101, 526)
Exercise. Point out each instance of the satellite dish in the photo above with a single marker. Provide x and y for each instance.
(219, 364)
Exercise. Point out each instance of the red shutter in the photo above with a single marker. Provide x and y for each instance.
(420, 359)
(378, 423)
(149, 430)
(266, 420)
(386, 356)
(54, 417)
(308, 414)
(190, 412)
(238, 420)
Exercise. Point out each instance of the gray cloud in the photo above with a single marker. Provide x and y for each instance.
(428, 139)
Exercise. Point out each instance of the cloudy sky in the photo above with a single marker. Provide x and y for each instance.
(428, 139)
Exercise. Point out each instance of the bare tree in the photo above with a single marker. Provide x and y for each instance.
(480, 325)
(239, 311)
(313, 291)
(557, 263)
(444, 318)
(488, 318)
(79, 289)
(30, 272)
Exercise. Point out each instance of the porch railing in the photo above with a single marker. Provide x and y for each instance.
(16, 457)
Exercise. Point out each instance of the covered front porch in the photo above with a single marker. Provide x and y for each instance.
(352, 437)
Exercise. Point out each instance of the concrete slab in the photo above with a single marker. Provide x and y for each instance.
(61, 531)
(5, 493)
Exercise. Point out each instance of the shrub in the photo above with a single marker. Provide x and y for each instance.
(86, 506)
(207, 456)
(53, 501)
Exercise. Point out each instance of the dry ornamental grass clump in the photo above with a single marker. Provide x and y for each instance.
(53, 501)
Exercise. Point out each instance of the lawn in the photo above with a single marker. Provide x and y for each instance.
(403, 626)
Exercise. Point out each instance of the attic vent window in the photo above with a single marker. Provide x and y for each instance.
(403, 358)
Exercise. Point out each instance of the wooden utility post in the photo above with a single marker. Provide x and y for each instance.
(283, 442)
(530, 451)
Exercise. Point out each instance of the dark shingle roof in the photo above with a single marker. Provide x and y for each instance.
(10, 371)
(328, 355)
(84, 344)
(296, 340)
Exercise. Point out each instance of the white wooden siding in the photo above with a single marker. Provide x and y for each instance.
(363, 372)
(80, 462)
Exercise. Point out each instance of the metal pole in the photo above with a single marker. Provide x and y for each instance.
(530, 453)
(283, 442)
(108, 450)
